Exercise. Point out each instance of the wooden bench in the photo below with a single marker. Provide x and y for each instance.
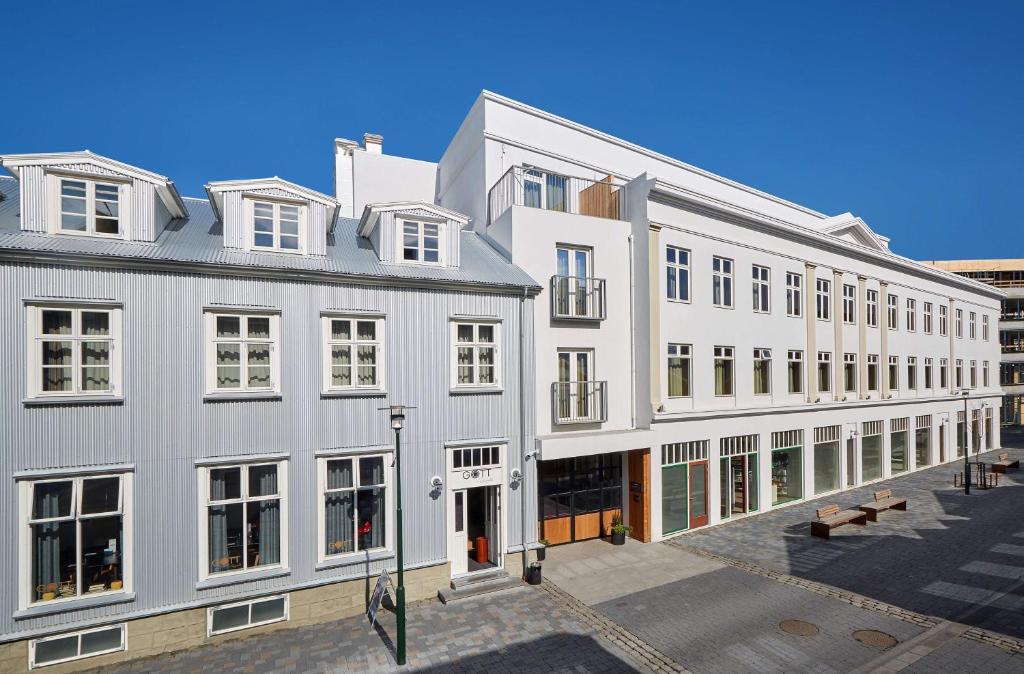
(1004, 463)
(883, 501)
(831, 517)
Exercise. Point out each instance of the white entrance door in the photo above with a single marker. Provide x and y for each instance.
(575, 372)
(492, 524)
(458, 541)
(573, 266)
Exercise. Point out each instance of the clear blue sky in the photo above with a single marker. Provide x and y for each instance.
(908, 114)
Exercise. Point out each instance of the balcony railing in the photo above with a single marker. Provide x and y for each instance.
(574, 297)
(526, 186)
(579, 402)
(1013, 347)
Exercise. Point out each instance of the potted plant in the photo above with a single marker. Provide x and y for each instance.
(542, 550)
(619, 531)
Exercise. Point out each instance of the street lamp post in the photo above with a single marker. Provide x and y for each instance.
(397, 417)
(967, 450)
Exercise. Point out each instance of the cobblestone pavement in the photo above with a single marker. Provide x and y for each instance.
(518, 630)
(955, 557)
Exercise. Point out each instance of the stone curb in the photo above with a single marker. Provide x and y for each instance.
(639, 650)
(974, 633)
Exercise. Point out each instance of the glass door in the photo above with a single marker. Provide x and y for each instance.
(698, 494)
(573, 266)
(674, 515)
(574, 377)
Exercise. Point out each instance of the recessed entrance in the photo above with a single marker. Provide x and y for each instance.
(475, 497)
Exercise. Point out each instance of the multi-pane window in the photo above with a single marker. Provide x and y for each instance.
(762, 371)
(761, 288)
(421, 241)
(926, 318)
(88, 207)
(850, 372)
(894, 311)
(71, 646)
(476, 354)
(984, 374)
(677, 270)
(943, 320)
(911, 315)
(275, 226)
(943, 373)
(911, 373)
(74, 350)
(823, 299)
(928, 373)
(871, 306)
(984, 327)
(974, 374)
(959, 374)
(721, 281)
(679, 364)
(244, 516)
(243, 615)
(973, 325)
(794, 294)
(873, 372)
(824, 371)
(355, 515)
(242, 352)
(354, 352)
(795, 371)
(849, 303)
(959, 323)
(724, 371)
(76, 538)
(894, 373)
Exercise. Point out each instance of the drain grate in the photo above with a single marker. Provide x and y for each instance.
(799, 628)
(875, 639)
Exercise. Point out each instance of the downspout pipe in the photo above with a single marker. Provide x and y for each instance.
(522, 435)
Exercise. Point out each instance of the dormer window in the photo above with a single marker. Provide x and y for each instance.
(275, 226)
(421, 242)
(88, 207)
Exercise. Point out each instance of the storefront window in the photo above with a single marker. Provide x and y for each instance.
(898, 451)
(826, 466)
(961, 437)
(786, 475)
(922, 446)
(674, 512)
(871, 457)
(579, 497)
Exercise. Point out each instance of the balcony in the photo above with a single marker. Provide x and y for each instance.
(534, 188)
(579, 402)
(577, 298)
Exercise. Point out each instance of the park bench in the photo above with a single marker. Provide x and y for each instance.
(831, 517)
(1004, 463)
(883, 501)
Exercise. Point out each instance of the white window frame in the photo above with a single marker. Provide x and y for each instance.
(871, 307)
(893, 307)
(794, 294)
(943, 320)
(984, 327)
(677, 270)
(274, 340)
(721, 279)
(763, 355)
(849, 304)
(911, 315)
(321, 517)
(762, 289)
(943, 373)
(894, 366)
(125, 502)
(823, 299)
(959, 323)
(32, 664)
(683, 352)
(476, 345)
(420, 223)
(984, 374)
(354, 342)
(929, 376)
(873, 360)
(203, 493)
(926, 318)
(972, 325)
(725, 353)
(958, 374)
(55, 207)
(850, 359)
(973, 381)
(34, 349)
(825, 358)
(249, 204)
(795, 356)
(911, 373)
(249, 602)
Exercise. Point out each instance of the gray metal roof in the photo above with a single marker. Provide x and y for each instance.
(198, 240)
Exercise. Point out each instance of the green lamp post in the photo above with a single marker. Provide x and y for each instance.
(397, 418)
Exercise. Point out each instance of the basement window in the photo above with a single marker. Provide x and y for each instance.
(75, 646)
(246, 614)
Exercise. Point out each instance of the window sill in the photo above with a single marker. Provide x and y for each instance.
(241, 395)
(352, 558)
(78, 604)
(233, 578)
(355, 393)
(470, 390)
(48, 401)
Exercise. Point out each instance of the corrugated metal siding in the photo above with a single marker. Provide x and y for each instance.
(33, 199)
(163, 427)
(141, 211)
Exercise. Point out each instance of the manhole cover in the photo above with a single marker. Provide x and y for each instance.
(800, 628)
(875, 639)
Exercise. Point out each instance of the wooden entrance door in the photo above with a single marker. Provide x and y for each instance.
(698, 494)
(640, 494)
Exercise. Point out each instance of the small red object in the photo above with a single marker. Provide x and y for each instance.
(481, 549)
(364, 528)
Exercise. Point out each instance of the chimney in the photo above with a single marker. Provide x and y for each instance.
(344, 180)
(373, 143)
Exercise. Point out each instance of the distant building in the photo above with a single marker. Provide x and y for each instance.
(1008, 276)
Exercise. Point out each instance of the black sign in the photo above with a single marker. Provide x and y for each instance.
(379, 590)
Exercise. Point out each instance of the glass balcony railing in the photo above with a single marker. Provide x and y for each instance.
(536, 188)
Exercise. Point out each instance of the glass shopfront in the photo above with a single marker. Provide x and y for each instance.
(580, 497)
(871, 457)
(787, 466)
(898, 450)
(684, 486)
(923, 446)
(826, 466)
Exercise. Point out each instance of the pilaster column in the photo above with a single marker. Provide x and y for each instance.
(883, 323)
(838, 368)
(862, 335)
(811, 319)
